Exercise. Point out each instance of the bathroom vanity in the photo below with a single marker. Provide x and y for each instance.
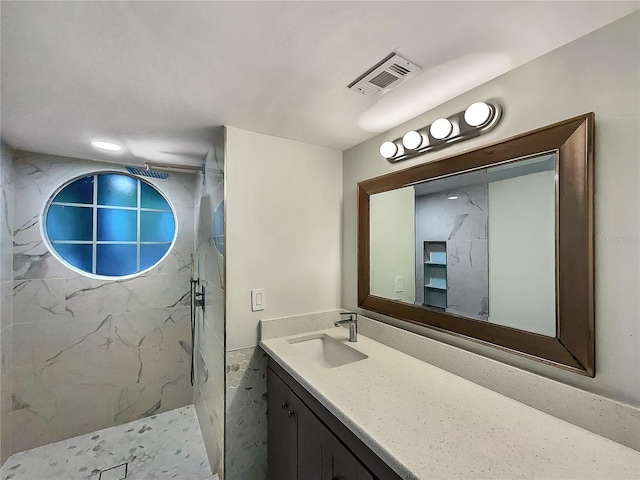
(383, 414)
(304, 437)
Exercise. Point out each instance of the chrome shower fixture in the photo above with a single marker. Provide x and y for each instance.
(153, 170)
(146, 172)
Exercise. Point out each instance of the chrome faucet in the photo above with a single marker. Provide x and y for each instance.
(352, 321)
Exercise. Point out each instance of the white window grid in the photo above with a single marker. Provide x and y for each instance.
(95, 206)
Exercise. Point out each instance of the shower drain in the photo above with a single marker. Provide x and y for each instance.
(118, 472)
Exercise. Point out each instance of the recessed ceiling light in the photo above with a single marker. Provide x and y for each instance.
(109, 146)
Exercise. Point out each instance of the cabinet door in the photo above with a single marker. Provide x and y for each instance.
(309, 442)
(282, 430)
(338, 463)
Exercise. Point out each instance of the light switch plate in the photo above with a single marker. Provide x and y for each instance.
(399, 283)
(258, 299)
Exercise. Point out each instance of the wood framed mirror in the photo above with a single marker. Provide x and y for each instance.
(493, 245)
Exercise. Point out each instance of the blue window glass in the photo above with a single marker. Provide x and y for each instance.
(218, 228)
(115, 260)
(80, 191)
(151, 254)
(157, 227)
(117, 190)
(69, 223)
(151, 198)
(117, 225)
(78, 255)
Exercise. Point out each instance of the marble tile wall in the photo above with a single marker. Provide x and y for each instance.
(209, 391)
(462, 224)
(6, 298)
(246, 415)
(91, 354)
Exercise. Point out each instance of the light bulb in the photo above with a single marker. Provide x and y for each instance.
(412, 140)
(441, 128)
(112, 147)
(477, 114)
(388, 149)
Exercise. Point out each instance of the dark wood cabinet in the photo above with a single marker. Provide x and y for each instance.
(282, 431)
(309, 443)
(338, 463)
(306, 442)
(294, 435)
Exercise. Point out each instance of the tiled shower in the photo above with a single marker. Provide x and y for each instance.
(90, 354)
(208, 392)
(81, 354)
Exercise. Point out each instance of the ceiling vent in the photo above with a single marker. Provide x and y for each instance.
(387, 74)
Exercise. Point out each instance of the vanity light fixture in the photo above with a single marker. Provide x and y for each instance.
(388, 150)
(412, 140)
(477, 114)
(478, 118)
(441, 129)
(109, 146)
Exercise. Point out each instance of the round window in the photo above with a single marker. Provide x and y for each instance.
(109, 225)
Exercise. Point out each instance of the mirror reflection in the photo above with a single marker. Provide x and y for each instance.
(480, 244)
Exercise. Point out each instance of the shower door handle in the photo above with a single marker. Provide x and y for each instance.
(199, 298)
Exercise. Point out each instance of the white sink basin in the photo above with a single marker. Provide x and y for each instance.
(326, 350)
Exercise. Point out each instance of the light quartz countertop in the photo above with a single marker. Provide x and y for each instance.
(428, 423)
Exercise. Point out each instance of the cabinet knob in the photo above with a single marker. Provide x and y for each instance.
(284, 405)
(291, 413)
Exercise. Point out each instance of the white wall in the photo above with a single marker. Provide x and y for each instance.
(392, 233)
(283, 207)
(600, 73)
(522, 252)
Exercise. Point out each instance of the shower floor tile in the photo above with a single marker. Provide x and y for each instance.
(165, 446)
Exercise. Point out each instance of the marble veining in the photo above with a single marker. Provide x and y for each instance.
(90, 353)
(7, 195)
(468, 278)
(38, 300)
(209, 388)
(140, 293)
(160, 447)
(459, 218)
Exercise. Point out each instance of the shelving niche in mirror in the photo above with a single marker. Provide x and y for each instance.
(494, 245)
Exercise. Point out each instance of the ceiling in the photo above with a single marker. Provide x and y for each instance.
(158, 77)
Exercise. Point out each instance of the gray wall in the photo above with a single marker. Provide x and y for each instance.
(6, 297)
(90, 354)
(210, 338)
(600, 73)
